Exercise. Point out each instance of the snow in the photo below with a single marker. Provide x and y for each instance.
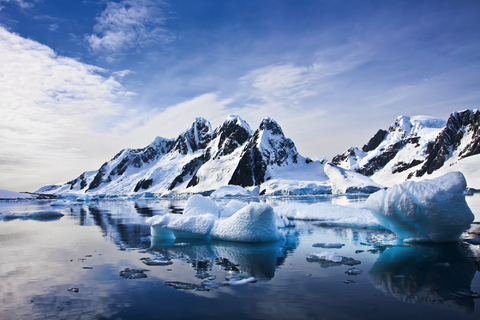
(235, 191)
(5, 194)
(329, 215)
(196, 227)
(254, 223)
(199, 205)
(346, 181)
(278, 187)
(429, 210)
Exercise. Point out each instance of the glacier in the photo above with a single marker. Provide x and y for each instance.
(432, 210)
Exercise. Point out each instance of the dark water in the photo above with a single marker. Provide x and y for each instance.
(88, 248)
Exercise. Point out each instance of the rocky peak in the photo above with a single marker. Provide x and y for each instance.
(271, 125)
(195, 138)
(460, 136)
(231, 134)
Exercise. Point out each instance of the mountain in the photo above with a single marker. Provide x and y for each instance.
(201, 160)
(415, 147)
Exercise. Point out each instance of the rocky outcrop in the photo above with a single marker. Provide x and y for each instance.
(460, 138)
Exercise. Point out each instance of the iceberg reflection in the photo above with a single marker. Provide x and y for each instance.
(426, 274)
(258, 260)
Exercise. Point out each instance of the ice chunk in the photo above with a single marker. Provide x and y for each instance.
(158, 223)
(334, 245)
(60, 203)
(235, 191)
(428, 210)
(39, 215)
(254, 223)
(328, 259)
(198, 205)
(329, 214)
(196, 227)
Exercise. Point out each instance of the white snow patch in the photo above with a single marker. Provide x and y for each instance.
(235, 191)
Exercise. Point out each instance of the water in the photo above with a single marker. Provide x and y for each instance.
(44, 263)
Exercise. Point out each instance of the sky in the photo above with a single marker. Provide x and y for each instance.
(81, 80)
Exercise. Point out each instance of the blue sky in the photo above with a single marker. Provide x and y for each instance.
(80, 80)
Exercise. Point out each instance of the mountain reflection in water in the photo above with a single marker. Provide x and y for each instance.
(426, 274)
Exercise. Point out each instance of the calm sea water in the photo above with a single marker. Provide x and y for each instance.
(69, 268)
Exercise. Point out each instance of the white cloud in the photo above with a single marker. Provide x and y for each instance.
(53, 111)
(127, 24)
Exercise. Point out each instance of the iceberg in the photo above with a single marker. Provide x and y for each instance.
(254, 223)
(195, 227)
(429, 210)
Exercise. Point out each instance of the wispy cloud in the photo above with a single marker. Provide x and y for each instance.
(54, 110)
(129, 24)
(24, 4)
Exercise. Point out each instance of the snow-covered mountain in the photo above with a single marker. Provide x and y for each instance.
(201, 160)
(415, 146)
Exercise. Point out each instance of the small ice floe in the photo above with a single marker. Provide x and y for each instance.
(133, 273)
(353, 271)
(330, 259)
(60, 203)
(331, 215)
(425, 211)
(156, 261)
(238, 279)
(204, 286)
(73, 290)
(39, 215)
(334, 245)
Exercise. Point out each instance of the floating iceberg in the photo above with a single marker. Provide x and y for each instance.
(428, 210)
(254, 223)
(195, 227)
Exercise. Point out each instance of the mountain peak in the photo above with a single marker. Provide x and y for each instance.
(271, 125)
(194, 138)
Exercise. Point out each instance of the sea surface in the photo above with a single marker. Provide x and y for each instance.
(93, 263)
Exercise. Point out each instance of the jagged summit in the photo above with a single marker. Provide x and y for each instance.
(195, 138)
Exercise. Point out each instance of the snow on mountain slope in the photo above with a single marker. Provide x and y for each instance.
(390, 155)
(459, 139)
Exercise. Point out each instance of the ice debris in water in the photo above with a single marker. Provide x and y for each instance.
(133, 273)
(328, 259)
(39, 215)
(429, 210)
(73, 290)
(353, 271)
(60, 203)
(156, 261)
(328, 245)
(190, 286)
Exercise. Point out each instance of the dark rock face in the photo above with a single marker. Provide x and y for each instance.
(257, 154)
(375, 140)
(344, 156)
(231, 136)
(195, 138)
(81, 180)
(143, 184)
(136, 158)
(448, 141)
(190, 169)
